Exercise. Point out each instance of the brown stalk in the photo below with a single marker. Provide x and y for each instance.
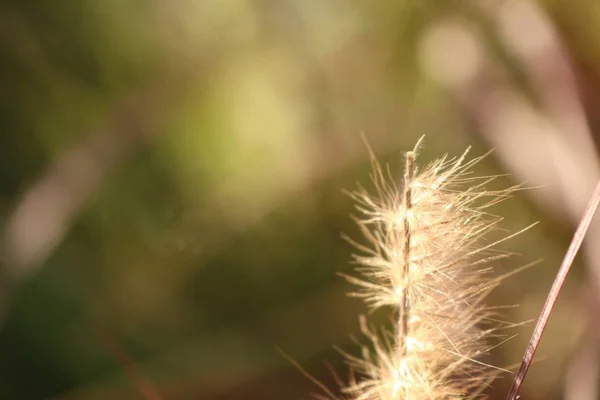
(554, 291)
(143, 384)
(405, 302)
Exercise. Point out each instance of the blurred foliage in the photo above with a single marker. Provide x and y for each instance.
(216, 238)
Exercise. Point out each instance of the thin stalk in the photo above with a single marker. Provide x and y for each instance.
(404, 316)
(554, 291)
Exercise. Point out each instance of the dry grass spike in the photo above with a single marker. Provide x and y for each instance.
(426, 259)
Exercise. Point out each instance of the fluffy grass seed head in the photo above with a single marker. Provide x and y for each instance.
(426, 257)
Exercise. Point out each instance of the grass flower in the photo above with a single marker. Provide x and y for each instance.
(426, 259)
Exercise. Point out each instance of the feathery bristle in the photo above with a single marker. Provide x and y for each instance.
(426, 258)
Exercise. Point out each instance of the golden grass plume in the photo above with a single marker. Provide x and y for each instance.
(426, 257)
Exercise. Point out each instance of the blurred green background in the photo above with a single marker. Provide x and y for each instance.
(172, 176)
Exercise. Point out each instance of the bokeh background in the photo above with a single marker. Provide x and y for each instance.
(172, 176)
